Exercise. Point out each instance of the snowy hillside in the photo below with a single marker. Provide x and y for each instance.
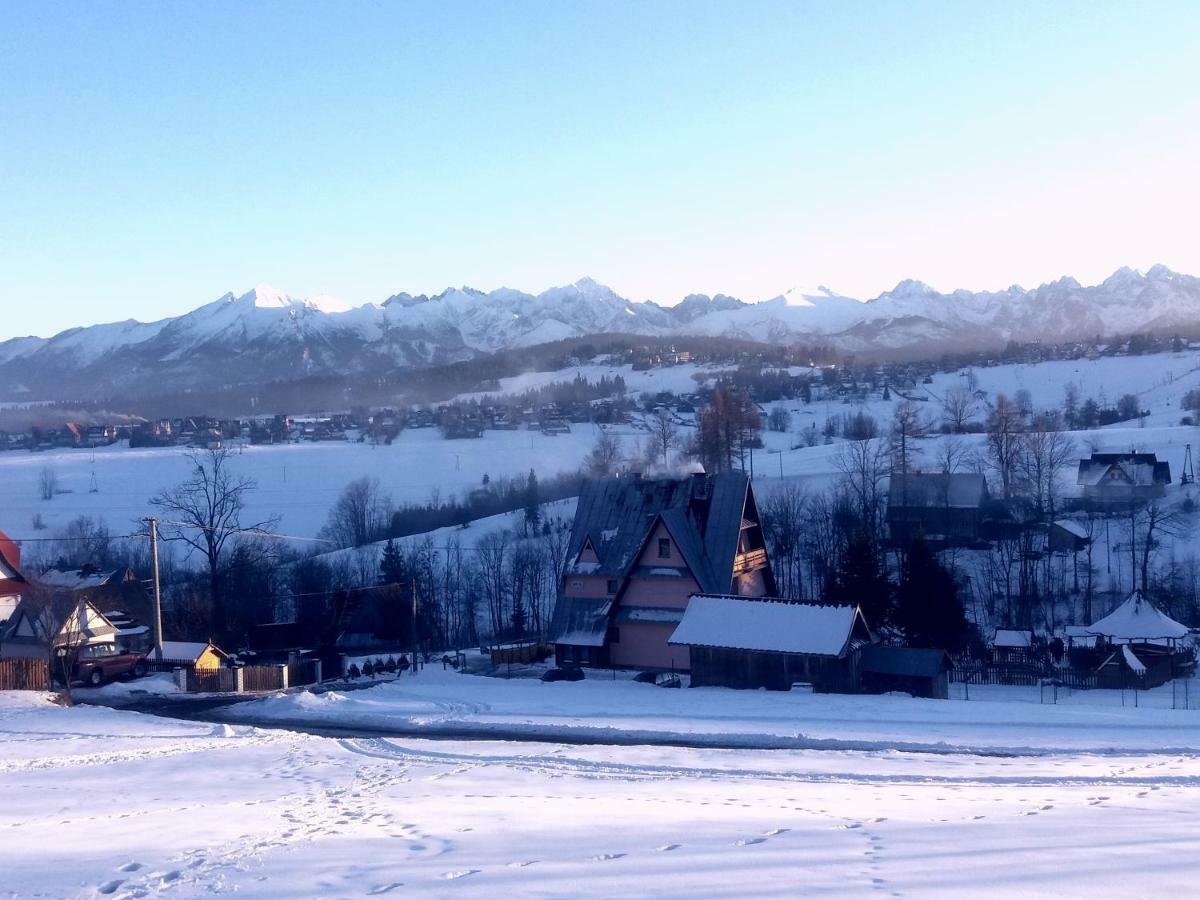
(266, 335)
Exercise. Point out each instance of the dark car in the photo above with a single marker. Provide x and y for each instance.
(99, 663)
(566, 673)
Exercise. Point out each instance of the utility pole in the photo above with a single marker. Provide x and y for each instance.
(158, 635)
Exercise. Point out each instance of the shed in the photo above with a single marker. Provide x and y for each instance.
(741, 642)
(914, 670)
(1067, 536)
(199, 654)
(1012, 645)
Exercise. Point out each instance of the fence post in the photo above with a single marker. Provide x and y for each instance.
(239, 680)
(181, 678)
(283, 676)
(316, 671)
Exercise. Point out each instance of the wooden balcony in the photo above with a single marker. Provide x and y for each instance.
(749, 561)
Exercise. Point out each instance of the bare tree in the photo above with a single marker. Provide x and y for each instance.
(1044, 453)
(205, 513)
(958, 407)
(863, 465)
(360, 515)
(1004, 441)
(783, 515)
(663, 434)
(907, 424)
(953, 454)
(1148, 525)
(605, 455)
(47, 483)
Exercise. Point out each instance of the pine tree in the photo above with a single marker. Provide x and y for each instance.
(518, 620)
(861, 581)
(391, 565)
(533, 504)
(928, 608)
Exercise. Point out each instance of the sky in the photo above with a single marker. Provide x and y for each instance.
(155, 155)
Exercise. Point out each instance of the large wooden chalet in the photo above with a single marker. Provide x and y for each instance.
(639, 550)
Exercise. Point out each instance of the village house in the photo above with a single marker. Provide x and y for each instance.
(639, 549)
(943, 508)
(42, 624)
(1122, 479)
(12, 582)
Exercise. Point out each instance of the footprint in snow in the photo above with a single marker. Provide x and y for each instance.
(462, 873)
(130, 867)
(385, 888)
(171, 876)
(666, 848)
(606, 857)
(748, 842)
(775, 831)
(110, 887)
(522, 864)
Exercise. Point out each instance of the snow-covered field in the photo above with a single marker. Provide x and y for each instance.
(297, 482)
(99, 802)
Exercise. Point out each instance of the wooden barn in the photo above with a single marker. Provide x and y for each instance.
(740, 642)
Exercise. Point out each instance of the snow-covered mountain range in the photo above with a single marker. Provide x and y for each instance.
(265, 335)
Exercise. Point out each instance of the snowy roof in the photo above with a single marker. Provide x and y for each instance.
(743, 623)
(1072, 527)
(1007, 637)
(960, 490)
(1131, 468)
(1138, 619)
(1132, 661)
(76, 579)
(186, 649)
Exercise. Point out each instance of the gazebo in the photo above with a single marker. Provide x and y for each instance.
(1138, 621)
(1148, 653)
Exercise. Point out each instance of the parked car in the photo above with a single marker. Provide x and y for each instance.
(566, 673)
(99, 663)
(662, 679)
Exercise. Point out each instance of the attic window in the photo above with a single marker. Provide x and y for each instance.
(664, 548)
(612, 585)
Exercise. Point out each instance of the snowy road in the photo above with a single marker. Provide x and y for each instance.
(102, 802)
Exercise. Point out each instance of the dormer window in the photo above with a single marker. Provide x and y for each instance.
(664, 548)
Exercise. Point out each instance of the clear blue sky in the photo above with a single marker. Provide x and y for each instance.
(155, 155)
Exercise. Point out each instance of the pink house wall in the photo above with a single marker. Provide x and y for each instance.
(644, 646)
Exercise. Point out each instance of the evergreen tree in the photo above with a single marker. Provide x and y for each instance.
(391, 565)
(518, 620)
(533, 504)
(928, 608)
(860, 581)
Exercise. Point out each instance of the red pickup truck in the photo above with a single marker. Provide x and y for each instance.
(99, 663)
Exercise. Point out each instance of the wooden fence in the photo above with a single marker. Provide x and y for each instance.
(24, 675)
(262, 678)
(211, 681)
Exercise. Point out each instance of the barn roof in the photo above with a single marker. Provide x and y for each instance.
(957, 490)
(1009, 637)
(778, 626)
(1137, 619)
(917, 662)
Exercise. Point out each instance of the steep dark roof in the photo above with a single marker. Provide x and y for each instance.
(959, 490)
(703, 514)
(879, 659)
(1139, 468)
